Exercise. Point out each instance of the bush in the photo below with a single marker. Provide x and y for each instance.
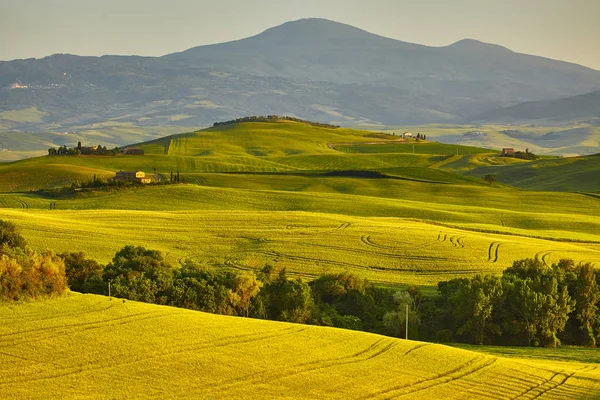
(9, 236)
(31, 275)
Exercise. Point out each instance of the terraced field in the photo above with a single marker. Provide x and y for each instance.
(94, 347)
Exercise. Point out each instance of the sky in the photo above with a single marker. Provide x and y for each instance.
(566, 30)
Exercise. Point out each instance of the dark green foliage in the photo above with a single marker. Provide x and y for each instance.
(348, 301)
(490, 179)
(288, 300)
(139, 274)
(79, 150)
(531, 304)
(84, 274)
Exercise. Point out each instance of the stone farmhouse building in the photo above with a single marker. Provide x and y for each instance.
(132, 176)
(508, 152)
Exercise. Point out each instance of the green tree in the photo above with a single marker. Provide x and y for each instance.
(140, 274)
(288, 300)
(490, 179)
(474, 304)
(587, 299)
(83, 274)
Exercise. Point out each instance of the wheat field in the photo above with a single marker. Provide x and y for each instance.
(86, 346)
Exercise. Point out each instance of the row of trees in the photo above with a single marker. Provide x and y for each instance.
(273, 118)
(529, 304)
(140, 274)
(75, 151)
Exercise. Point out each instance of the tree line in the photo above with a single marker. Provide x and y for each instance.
(530, 304)
(75, 151)
(273, 118)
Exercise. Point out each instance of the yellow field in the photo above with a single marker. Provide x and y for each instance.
(86, 346)
(385, 250)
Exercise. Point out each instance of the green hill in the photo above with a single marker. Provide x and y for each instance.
(575, 174)
(96, 347)
(278, 146)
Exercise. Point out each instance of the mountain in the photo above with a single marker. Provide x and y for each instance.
(582, 108)
(313, 68)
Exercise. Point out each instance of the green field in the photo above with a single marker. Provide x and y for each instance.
(260, 193)
(314, 201)
(203, 227)
(94, 347)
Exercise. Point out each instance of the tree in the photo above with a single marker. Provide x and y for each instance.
(491, 179)
(25, 274)
(9, 235)
(140, 274)
(84, 275)
(245, 288)
(540, 301)
(587, 299)
(288, 300)
(474, 304)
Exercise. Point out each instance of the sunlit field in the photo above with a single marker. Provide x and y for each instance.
(96, 347)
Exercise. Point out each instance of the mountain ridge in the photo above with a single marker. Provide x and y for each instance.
(313, 69)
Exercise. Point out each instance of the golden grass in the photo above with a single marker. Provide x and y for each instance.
(86, 346)
(386, 250)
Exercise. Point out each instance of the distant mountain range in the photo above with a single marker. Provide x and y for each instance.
(313, 68)
(581, 109)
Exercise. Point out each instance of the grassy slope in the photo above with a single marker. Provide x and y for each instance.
(90, 346)
(420, 239)
(250, 147)
(426, 225)
(565, 174)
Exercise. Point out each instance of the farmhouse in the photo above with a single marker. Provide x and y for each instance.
(407, 135)
(133, 152)
(132, 176)
(508, 152)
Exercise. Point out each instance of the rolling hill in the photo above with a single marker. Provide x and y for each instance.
(96, 347)
(577, 109)
(313, 68)
(315, 199)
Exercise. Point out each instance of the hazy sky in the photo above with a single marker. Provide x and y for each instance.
(562, 29)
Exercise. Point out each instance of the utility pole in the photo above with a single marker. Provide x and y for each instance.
(109, 289)
(406, 336)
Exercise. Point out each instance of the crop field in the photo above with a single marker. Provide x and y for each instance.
(262, 193)
(96, 347)
(385, 250)
(413, 147)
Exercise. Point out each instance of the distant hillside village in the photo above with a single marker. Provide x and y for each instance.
(93, 151)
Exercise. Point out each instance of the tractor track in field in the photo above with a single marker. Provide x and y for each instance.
(343, 226)
(540, 387)
(373, 351)
(249, 338)
(468, 368)
(543, 256)
(493, 252)
(23, 204)
(456, 241)
(47, 333)
(366, 240)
